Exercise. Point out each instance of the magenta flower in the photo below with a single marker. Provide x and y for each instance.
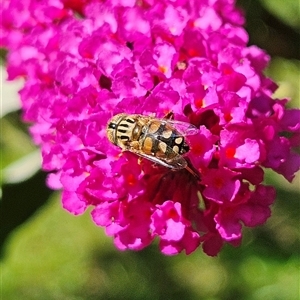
(86, 61)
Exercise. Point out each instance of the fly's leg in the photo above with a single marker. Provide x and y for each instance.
(169, 116)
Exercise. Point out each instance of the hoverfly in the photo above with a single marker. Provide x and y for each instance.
(159, 140)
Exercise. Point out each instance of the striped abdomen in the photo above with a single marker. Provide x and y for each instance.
(162, 140)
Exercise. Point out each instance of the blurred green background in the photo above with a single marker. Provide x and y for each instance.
(46, 253)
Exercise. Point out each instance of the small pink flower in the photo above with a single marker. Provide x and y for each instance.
(173, 229)
(221, 185)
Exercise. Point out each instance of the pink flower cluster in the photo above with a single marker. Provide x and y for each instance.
(85, 61)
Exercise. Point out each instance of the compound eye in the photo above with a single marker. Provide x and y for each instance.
(112, 126)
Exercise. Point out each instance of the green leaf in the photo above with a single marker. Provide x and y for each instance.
(286, 73)
(287, 11)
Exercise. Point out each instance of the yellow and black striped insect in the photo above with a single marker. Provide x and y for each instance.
(159, 140)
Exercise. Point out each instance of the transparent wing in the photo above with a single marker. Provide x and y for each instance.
(176, 163)
(183, 128)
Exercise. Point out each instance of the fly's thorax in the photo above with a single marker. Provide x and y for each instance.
(112, 127)
(124, 129)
